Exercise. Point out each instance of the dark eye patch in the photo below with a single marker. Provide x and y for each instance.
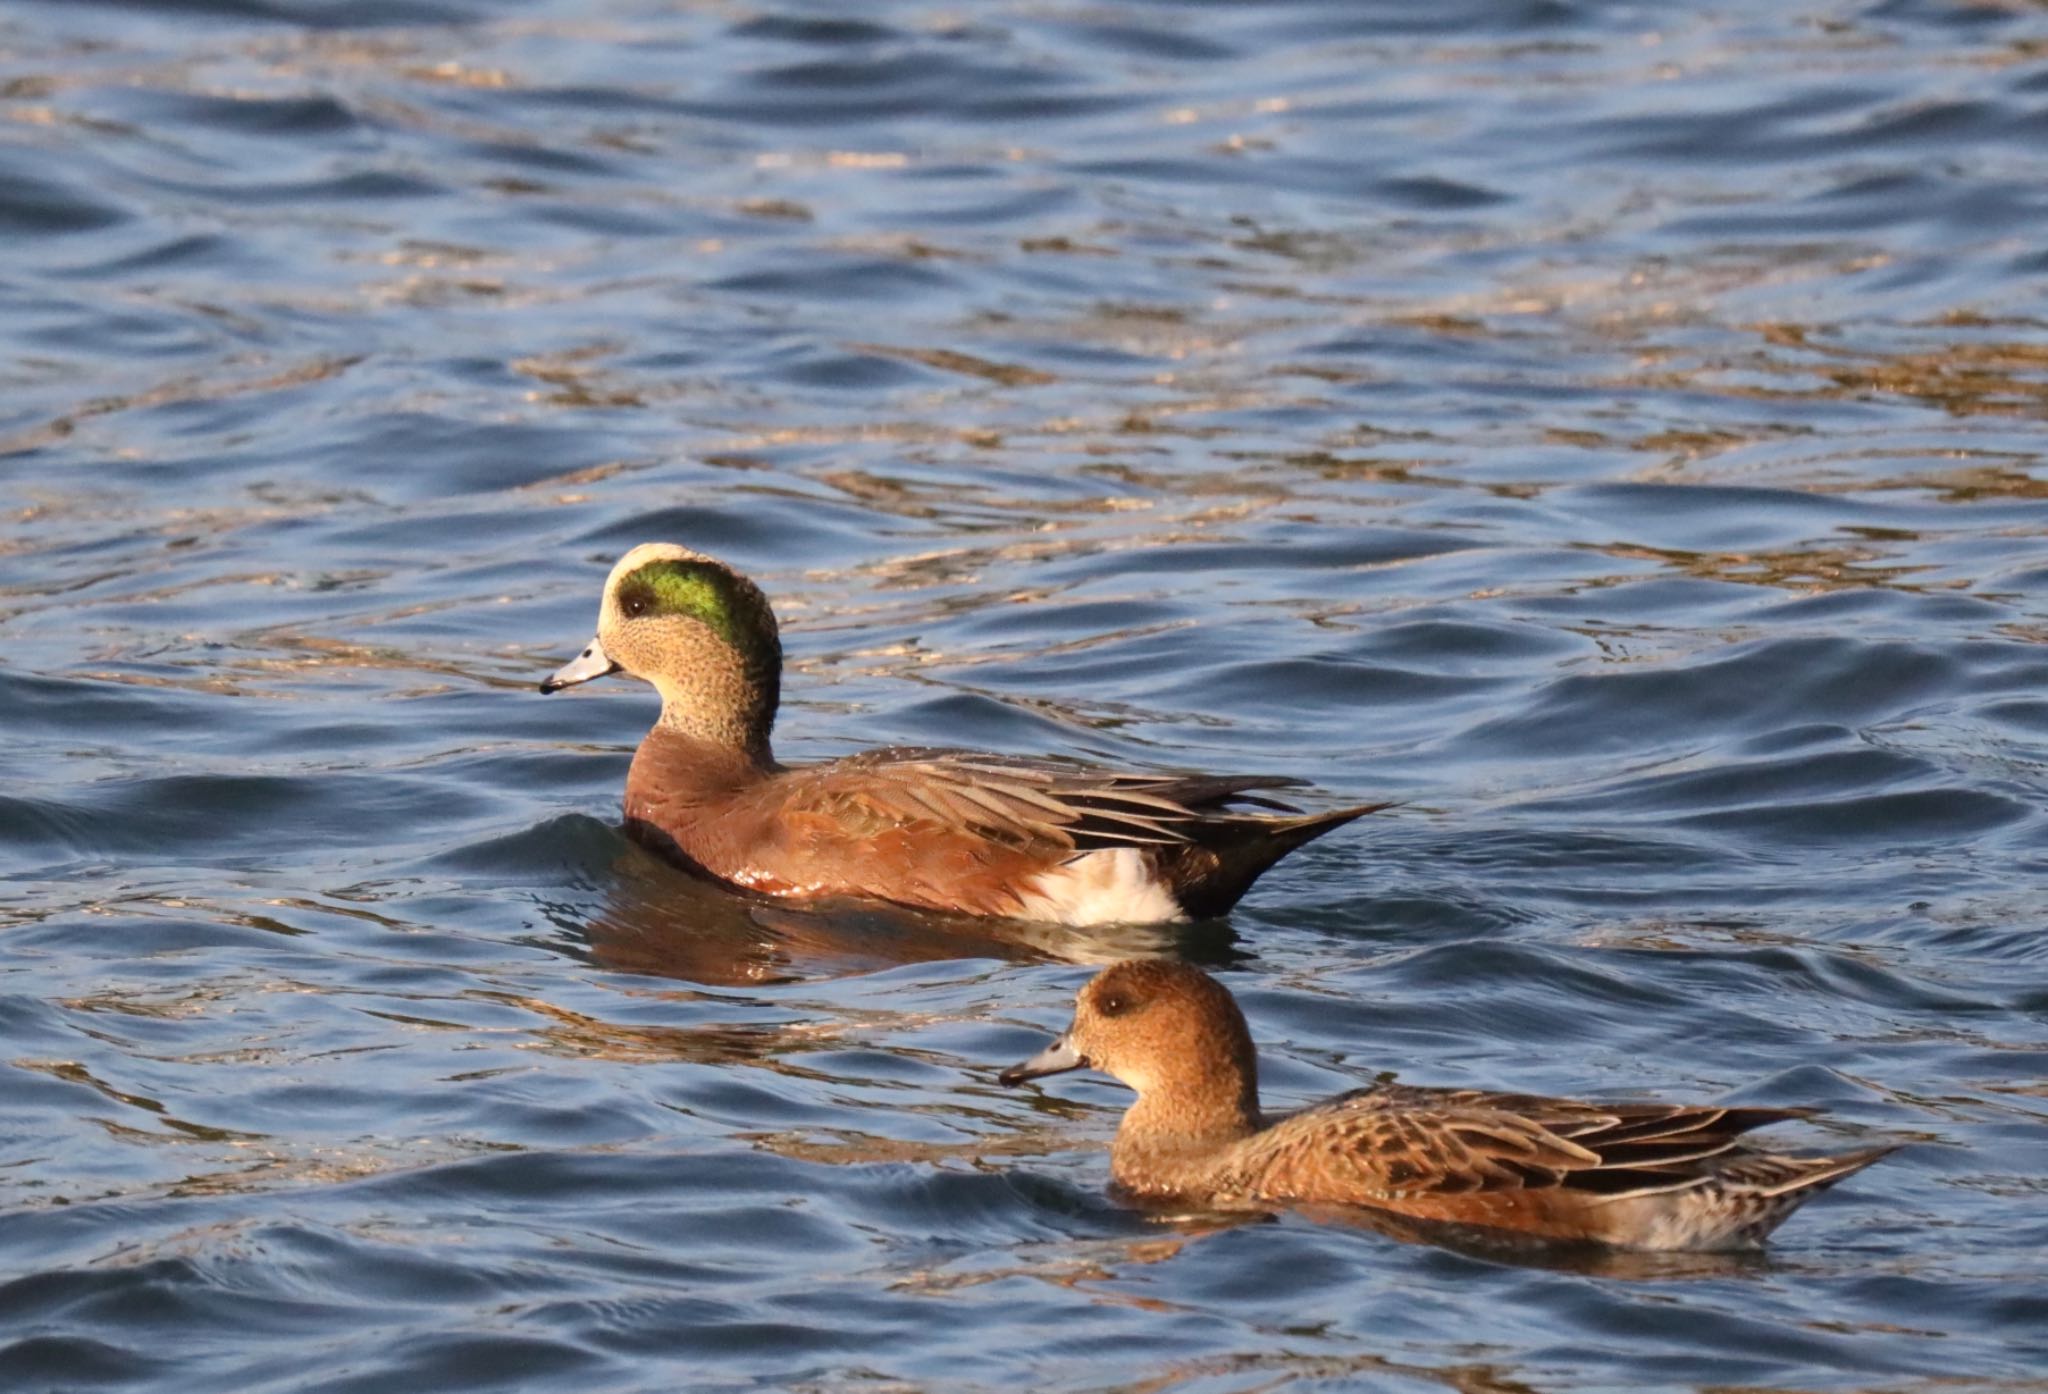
(636, 600)
(1113, 1004)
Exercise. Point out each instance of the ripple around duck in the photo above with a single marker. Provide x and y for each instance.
(960, 1212)
(570, 848)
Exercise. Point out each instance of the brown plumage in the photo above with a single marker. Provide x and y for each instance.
(1021, 837)
(1639, 1175)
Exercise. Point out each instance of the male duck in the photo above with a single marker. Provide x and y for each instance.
(1030, 838)
(1635, 1175)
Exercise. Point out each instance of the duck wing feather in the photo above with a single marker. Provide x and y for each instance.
(1024, 801)
(1403, 1140)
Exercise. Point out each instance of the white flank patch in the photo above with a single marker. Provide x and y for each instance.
(1691, 1220)
(1109, 886)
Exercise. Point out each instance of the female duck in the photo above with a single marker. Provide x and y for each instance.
(1637, 1175)
(1025, 838)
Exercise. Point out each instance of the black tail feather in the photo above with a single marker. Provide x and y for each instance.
(1211, 875)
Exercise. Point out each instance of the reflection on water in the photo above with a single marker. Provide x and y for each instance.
(1469, 1241)
(1615, 433)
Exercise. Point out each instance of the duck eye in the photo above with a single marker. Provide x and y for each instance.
(1113, 1004)
(634, 606)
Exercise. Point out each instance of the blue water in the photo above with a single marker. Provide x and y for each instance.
(1614, 431)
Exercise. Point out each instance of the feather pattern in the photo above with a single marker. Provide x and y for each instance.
(1402, 1140)
(1020, 800)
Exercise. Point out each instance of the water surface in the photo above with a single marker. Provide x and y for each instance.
(1614, 431)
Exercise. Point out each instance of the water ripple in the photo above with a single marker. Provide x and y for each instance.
(1615, 437)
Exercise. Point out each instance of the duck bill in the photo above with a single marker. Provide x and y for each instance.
(1055, 1059)
(593, 662)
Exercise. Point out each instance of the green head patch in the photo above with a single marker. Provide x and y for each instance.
(706, 593)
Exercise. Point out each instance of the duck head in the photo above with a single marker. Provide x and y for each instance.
(1169, 1031)
(700, 632)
